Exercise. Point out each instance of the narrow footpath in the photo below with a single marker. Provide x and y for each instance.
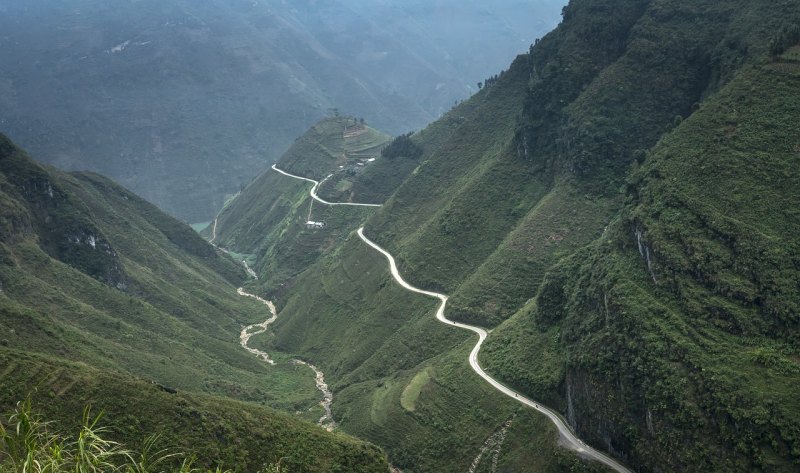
(567, 437)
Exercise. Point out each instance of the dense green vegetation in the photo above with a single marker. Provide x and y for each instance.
(402, 147)
(269, 217)
(688, 302)
(619, 207)
(91, 273)
(211, 431)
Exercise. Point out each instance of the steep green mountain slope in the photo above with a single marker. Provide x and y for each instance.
(218, 431)
(184, 101)
(683, 316)
(370, 337)
(269, 217)
(528, 205)
(91, 273)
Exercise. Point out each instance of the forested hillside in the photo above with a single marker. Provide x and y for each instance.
(618, 207)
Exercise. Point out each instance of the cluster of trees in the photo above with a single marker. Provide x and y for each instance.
(403, 146)
(490, 80)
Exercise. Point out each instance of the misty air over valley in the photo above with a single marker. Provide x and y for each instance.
(399, 236)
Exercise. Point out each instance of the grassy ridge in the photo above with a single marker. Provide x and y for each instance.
(100, 291)
(220, 432)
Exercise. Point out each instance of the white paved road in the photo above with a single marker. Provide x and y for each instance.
(316, 186)
(567, 436)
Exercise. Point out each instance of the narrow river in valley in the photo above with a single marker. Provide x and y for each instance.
(326, 421)
(247, 332)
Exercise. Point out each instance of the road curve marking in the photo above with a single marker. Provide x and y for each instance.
(566, 434)
(313, 191)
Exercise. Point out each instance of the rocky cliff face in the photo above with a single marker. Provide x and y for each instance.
(37, 206)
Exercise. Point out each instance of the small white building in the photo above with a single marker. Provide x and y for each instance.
(315, 225)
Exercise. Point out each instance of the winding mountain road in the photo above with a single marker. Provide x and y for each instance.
(316, 186)
(567, 437)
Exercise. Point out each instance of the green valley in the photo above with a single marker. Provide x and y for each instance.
(106, 301)
(592, 264)
(616, 207)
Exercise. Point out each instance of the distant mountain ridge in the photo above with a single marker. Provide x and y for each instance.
(185, 101)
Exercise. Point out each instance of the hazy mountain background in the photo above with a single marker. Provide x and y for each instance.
(184, 101)
(619, 208)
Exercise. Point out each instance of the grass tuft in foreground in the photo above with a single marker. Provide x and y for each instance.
(29, 444)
